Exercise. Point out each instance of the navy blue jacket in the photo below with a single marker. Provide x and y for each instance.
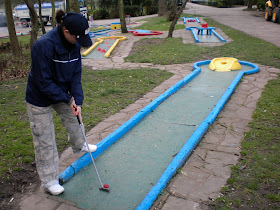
(55, 74)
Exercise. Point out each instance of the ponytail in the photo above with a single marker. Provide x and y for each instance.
(59, 15)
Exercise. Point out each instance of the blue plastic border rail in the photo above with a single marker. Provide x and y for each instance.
(196, 37)
(192, 142)
(193, 33)
(82, 162)
(185, 151)
(185, 19)
(219, 36)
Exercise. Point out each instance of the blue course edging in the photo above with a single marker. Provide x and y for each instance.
(192, 142)
(185, 151)
(214, 113)
(82, 162)
(219, 36)
(193, 33)
(184, 19)
(196, 37)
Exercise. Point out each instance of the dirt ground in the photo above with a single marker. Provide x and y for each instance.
(15, 184)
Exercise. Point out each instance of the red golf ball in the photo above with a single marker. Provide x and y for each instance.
(106, 186)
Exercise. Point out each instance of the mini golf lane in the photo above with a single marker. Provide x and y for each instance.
(204, 38)
(96, 53)
(135, 165)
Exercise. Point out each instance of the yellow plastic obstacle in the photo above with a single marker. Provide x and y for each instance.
(101, 40)
(107, 54)
(115, 26)
(92, 48)
(224, 64)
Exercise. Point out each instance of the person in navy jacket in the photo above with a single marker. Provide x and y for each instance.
(54, 82)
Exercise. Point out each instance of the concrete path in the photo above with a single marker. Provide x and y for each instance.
(250, 22)
(208, 168)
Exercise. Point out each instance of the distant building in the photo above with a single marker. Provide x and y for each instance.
(3, 20)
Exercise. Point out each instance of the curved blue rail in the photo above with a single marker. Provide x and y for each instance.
(82, 162)
(192, 142)
(196, 37)
(185, 151)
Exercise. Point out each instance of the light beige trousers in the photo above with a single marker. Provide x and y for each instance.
(42, 127)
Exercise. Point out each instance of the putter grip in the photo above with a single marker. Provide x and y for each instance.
(78, 119)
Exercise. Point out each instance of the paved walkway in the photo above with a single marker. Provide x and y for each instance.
(208, 168)
(250, 22)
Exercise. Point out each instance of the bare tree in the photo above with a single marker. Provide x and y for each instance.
(11, 28)
(172, 25)
(34, 21)
(172, 10)
(122, 16)
(92, 5)
(40, 16)
(53, 13)
(162, 7)
(67, 6)
(250, 4)
(74, 6)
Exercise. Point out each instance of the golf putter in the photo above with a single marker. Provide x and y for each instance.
(104, 187)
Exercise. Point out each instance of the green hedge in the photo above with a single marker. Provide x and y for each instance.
(133, 11)
(225, 3)
(100, 14)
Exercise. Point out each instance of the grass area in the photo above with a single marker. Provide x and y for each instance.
(106, 92)
(255, 180)
(171, 50)
(166, 51)
(23, 40)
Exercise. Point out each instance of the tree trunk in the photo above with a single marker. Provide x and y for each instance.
(122, 16)
(53, 14)
(34, 22)
(250, 4)
(74, 6)
(41, 20)
(172, 11)
(162, 7)
(172, 25)
(11, 28)
(92, 5)
(67, 6)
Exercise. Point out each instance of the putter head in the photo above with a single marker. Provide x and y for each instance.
(104, 189)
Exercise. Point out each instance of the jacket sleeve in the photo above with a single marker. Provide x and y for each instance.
(76, 85)
(42, 70)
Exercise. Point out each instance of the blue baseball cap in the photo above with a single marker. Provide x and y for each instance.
(77, 25)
